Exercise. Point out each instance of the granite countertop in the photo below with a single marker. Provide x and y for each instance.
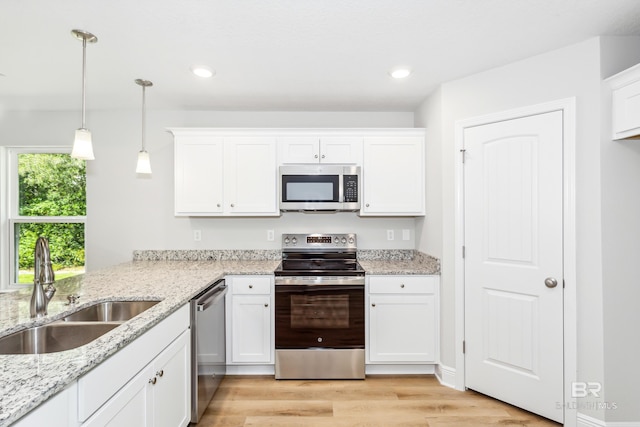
(174, 277)
(397, 262)
(28, 380)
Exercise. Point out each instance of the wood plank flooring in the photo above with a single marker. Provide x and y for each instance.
(378, 401)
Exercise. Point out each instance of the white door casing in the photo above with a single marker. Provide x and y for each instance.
(513, 244)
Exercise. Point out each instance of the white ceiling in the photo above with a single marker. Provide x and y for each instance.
(328, 55)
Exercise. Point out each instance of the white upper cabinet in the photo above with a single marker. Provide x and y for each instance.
(393, 176)
(250, 176)
(234, 172)
(320, 149)
(625, 88)
(225, 175)
(198, 175)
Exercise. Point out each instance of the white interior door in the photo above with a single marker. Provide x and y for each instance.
(513, 258)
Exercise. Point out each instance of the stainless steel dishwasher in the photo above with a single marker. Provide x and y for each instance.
(208, 353)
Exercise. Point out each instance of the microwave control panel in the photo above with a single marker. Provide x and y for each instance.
(350, 188)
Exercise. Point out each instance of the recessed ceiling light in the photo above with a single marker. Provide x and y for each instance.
(202, 71)
(400, 73)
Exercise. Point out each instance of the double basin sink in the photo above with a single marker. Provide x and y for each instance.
(74, 330)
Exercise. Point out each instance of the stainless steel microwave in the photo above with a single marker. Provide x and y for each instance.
(316, 187)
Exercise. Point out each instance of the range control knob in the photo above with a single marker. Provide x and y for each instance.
(351, 240)
(294, 240)
(344, 241)
(286, 240)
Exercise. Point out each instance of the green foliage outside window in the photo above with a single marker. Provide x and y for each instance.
(51, 185)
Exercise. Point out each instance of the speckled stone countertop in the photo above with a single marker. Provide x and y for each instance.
(397, 262)
(28, 380)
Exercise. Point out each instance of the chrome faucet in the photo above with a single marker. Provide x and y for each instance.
(43, 276)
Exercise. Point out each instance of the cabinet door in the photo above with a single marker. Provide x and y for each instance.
(251, 329)
(251, 176)
(198, 175)
(393, 176)
(131, 406)
(402, 328)
(58, 411)
(626, 110)
(171, 392)
(293, 149)
(341, 150)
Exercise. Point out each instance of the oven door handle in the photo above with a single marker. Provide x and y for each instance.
(213, 299)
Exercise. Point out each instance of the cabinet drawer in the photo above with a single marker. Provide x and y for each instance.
(402, 284)
(251, 285)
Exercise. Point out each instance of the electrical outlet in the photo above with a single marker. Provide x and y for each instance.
(271, 235)
(197, 235)
(406, 234)
(390, 235)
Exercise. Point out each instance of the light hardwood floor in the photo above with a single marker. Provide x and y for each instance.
(378, 401)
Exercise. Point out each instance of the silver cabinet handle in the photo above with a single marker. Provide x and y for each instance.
(402, 285)
(373, 305)
(266, 304)
(250, 286)
(153, 381)
(315, 157)
(232, 205)
(218, 205)
(367, 205)
(160, 373)
(323, 156)
(550, 282)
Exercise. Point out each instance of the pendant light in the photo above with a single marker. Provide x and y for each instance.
(82, 146)
(144, 164)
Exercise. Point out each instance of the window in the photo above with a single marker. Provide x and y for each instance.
(48, 199)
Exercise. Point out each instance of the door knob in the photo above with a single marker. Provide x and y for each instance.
(550, 282)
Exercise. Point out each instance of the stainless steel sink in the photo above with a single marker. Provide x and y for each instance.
(53, 337)
(110, 311)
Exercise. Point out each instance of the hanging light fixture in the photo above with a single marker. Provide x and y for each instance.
(144, 164)
(82, 146)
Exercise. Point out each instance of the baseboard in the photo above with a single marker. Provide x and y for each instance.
(623, 424)
(251, 370)
(446, 375)
(399, 369)
(587, 421)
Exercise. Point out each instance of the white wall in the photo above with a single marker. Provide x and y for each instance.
(429, 229)
(574, 71)
(126, 212)
(620, 167)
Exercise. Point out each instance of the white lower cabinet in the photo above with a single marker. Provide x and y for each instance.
(249, 316)
(144, 384)
(156, 396)
(59, 411)
(403, 319)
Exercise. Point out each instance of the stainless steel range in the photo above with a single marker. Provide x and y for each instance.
(319, 306)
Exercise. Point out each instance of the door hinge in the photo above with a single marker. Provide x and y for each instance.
(464, 251)
(464, 347)
(462, 152)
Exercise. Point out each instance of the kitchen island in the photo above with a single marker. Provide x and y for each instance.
(28, 380)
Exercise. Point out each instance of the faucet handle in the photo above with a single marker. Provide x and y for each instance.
(49, 292)
(73, 299)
